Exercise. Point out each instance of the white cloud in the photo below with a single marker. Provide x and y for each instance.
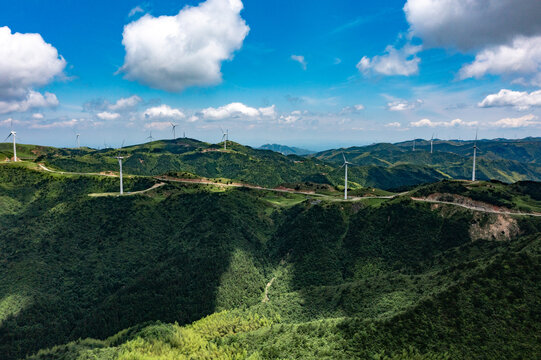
(402, 105)
(37, 116)
(237, 110)
(26, 62)
(352, 109)
(158, 125)
(288, 119)
(163, 112)
(32, 100)
(470, 24)
(521, 100)
(125, 103)
(269, 111)
(300, 60)
(175, 52)
(56, 124)
(105, 115)
(135, 10)
(452, 123)
(402, 61)
(393, 124)
(522, 57)
(523, 121)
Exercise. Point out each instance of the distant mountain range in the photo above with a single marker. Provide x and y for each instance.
(286, 150)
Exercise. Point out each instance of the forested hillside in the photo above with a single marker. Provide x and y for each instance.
(384, 166)
(261, 274)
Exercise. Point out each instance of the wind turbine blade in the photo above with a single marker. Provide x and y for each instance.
(123, 141)
(344, 157)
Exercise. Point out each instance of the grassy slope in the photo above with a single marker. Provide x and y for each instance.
(350, 279)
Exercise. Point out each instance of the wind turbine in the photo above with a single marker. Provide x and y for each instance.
(149, 137)
(225, 137)
(14, 135)
(474, 156)
(345, 165)
(77, 140)
(173, 126)
(120, 166)
(413, 144)
(432, 143)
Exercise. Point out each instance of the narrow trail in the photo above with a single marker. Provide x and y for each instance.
(155, 186)
(475, 208)
(73, 173)
(266, 295)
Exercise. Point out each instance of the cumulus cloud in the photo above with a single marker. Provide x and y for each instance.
(471, 24)
(125, 103)
(523, 121)
(300, 60)
(402, 61)
(521, 100)
(26, 62)
(175, 52)
(32, 100)
(522, 57)
(452, 123)
(105, 115)
(163, 112)
(393, 125)
(37, 116)
(402, 105)
(237, 110)
(158, 125)
(290, 119)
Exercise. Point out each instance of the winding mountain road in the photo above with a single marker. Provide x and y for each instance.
(165, 179)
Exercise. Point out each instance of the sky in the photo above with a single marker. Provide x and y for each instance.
(315, 74)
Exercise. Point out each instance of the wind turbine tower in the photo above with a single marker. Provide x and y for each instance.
(149, 137)
(413, 144)
(77, 140)
(432, 144)
(120, 165)
(474, 157)
(13, 134)
(174, 127)
(345, 165)
(225, 137)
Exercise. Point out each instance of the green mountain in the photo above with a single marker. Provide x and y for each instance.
(286, 150)
(209, 271)
(239, 163)
(504, 160)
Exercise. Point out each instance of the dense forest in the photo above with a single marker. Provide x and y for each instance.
(202, 271)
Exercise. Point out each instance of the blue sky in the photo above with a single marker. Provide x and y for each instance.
(316, 74)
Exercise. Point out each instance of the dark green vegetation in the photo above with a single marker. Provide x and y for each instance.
(500, 159)
(386, 279)
(383, 166)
